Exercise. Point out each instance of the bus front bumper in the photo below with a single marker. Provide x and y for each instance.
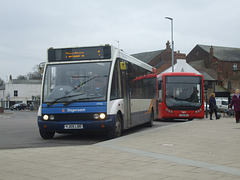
(69, 126)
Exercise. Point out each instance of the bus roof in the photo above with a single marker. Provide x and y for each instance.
(179, 74)
(89, 53)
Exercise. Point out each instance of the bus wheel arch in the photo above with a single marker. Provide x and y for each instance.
(150, 123)
(46, 134)
(117, 130)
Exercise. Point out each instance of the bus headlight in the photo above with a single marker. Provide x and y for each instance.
(48, 117)
(95, 116)
(45, 117)
(52, 117)
(100, 116)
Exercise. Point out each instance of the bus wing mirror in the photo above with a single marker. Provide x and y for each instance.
(41, 67)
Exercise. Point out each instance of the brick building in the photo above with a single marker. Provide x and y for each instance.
(160, 59)
(222, 63)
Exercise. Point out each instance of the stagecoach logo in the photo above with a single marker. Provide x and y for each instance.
(73, 110)
(183, 112)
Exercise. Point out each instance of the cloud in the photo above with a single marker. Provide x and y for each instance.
(28, 28)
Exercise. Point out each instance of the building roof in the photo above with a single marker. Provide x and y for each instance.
(182, 66)
(207, 77)
(207, 73)
(25, 81)
(220, 89)
(147, 56)
(197, 64)
(223, 53)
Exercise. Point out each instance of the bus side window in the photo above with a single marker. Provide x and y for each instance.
(160, 91)
(116, 89)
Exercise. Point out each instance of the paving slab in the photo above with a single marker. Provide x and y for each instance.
(200, 149)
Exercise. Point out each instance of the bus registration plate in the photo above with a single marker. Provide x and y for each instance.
(183, 115)
(73, 126)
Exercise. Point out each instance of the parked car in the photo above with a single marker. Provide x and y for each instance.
(206, 107)
(222, 104)
(18, 106)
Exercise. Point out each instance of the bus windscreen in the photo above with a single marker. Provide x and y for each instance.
(183, 92)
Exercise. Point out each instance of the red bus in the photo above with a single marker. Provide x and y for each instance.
(181, 96)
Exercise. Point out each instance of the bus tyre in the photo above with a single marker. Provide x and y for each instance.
(46, 134)
(150, 123)
(117, 131)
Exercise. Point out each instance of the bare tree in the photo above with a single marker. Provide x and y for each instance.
(1, 82)
(36, 75)
(22, 77)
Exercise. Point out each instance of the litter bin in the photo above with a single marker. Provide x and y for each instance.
(1, 110)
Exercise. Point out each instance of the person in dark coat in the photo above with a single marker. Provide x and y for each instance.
(236, 103)
(212, 106)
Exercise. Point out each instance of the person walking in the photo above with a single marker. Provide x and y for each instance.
(236, 103)
(212, 106)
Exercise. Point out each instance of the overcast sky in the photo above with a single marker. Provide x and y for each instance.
(29, 27)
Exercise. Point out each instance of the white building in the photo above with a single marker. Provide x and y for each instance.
(20, 91)
(182, 66)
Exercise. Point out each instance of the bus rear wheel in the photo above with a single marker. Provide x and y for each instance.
(150, 123)
(117, 130)
(46, 134)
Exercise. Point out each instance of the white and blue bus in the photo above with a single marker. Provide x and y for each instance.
(98, 88)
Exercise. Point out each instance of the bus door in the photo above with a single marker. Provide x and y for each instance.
(126, 95)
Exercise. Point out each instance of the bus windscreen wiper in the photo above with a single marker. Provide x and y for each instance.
(79, 99)
(72, 91)
(78, 86)
(51, 103)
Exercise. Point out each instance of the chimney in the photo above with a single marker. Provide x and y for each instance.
(211, 57)
(211, 51)
(167, 45)
(10, 79)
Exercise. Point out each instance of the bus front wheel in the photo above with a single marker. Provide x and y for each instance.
(117, 130)
(46, 134)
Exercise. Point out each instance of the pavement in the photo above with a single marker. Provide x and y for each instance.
(199, 149)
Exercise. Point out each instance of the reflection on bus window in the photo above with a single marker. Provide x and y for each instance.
(79, 82)
(183, 92)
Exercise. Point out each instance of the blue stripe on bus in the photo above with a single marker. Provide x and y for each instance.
(79, 107)
(102, 103)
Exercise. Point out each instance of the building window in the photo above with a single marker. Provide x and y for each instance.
(197, 53)
(220, 68)
(229, 85)
(15, 93)
(234, 67)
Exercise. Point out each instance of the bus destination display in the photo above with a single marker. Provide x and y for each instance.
(76, 54)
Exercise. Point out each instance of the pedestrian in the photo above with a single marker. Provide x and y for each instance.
(212, 106)
(236, 103)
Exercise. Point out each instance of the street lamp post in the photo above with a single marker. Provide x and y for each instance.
(171, 19)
